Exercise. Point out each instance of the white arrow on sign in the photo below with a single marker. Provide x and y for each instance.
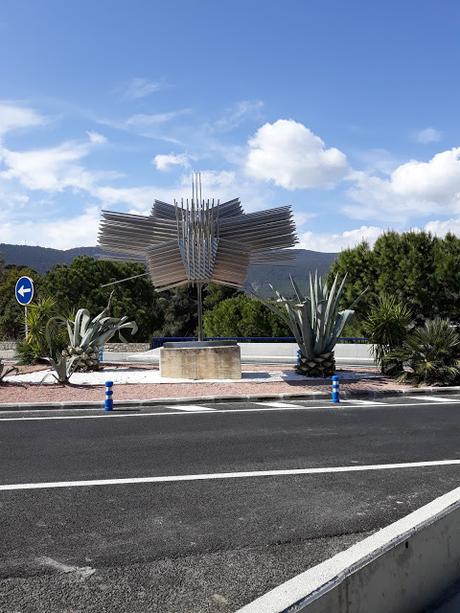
(24, 290)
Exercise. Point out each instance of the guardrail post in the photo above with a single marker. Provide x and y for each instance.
(108, 402)
(335, 389)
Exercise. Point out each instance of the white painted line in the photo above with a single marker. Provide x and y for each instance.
(188, 407)
(433, 398)
(236, 475)
(280, 405)
(367, 402)
(261, 409)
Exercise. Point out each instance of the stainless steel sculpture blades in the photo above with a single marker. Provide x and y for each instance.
(199, 241)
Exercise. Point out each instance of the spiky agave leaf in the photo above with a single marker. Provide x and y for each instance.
(314, 319)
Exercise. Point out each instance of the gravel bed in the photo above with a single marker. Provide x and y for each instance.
(25, 392)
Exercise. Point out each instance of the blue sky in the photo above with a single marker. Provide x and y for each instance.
(346, 110)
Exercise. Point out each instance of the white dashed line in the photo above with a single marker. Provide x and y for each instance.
(188, 407)
(281, 405)
(430, 398)
(367, 402)
(175, 410)
(235, 475)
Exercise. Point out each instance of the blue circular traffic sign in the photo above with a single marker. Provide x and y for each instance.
(24, 290)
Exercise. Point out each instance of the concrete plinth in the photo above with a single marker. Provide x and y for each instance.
(201, 360)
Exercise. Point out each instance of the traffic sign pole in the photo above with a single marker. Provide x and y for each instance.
(24, 293)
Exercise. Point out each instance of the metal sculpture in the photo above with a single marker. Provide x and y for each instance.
(199, 241)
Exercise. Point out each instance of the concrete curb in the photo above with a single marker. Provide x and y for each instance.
(91, 404)
(402, 568)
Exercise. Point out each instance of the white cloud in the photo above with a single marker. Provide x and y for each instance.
(13, 117)
(292, 156)
(412, 189)
(301, 218)
(441, 228)
(332, 243)
(62, 233)
(165, 161)
(428, 135)
(50, 169)
(153, 119)
(139, 88)
(437, 180)
(96, 138)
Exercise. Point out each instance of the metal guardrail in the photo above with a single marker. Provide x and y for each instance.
(158, 341)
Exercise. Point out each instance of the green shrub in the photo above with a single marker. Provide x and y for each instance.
(243, 316)
(430, 354)
(35, 347)
(386, 327)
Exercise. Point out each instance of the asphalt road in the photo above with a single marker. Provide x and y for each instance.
(123, 511)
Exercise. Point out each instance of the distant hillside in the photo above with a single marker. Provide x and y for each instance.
(42, 259)
(260, 275)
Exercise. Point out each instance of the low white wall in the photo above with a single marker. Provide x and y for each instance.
(400, 569)
(289, 350)
(264, 352)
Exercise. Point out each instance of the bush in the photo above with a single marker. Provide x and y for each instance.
(430, 354)
(35, 347)
(386, 327)
(243, 316)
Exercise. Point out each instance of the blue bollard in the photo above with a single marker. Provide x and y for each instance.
(108, 402)
(335, 389)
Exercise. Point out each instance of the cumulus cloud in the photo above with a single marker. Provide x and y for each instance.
(413, 189)
(292, 156)
(166, 161)
(139, 88)
(334, 242)
(428, 135)
(13, 117)
(442, 227)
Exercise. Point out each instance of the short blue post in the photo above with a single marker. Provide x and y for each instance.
(108, 402)
(100, 356)
(335, 389)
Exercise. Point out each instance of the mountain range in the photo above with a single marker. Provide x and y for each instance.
(42, 259)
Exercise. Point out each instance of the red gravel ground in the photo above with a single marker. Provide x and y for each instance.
(18, 392)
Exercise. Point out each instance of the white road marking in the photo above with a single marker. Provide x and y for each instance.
(291, 407)
(280, 405)
(433, 398)
(188, 407)
(235, 475)
(367, 402)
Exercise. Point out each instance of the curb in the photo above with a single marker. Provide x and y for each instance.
(403, 567)
(92, 404)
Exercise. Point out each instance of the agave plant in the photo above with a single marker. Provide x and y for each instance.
(62, 365)
(5, 371)
(316, 322)
(430, 354)
(87, 336)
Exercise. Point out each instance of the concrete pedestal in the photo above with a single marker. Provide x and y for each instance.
(201, 360)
